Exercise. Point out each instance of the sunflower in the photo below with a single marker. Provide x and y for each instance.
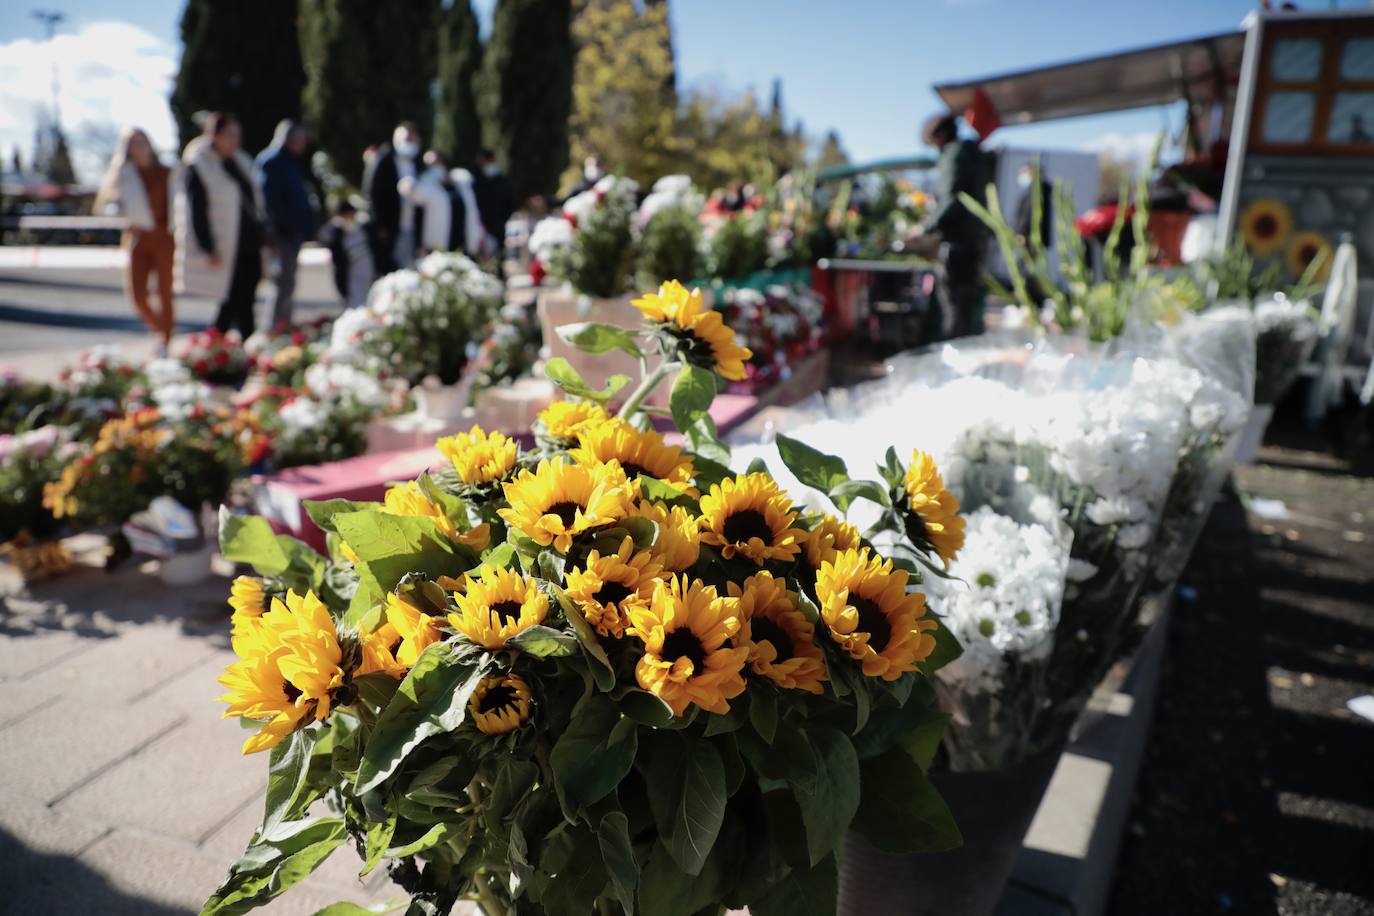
(560, 499)
(479, 457)
(289, 665)
(932, 517)
(828, 538)
(497, 604)
(410, 499)
(701, 336)
(865, 605)
(781, 641)
(606, 587)
(500, 704)
(415, 630)
(751, 516)
(688, 656)
(1264, 224)
(640, 452)
(379, 648)
(248, 598)
(1305, 248)
(679, 539)
(566, 420)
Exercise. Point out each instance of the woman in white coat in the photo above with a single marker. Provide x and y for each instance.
(446, 208)
(139, 188)
(219, 224)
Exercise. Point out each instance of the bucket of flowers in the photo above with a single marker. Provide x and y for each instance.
(28, 531)
(216, 358)
(600, 675)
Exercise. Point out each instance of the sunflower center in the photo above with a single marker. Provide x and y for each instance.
(496, 698)
(1266, 226)
(745, 524)
(633, 470)
(873, 621)
(565, 510)
(916, 528)
(395, 646)
(612, 593)
(766, 630)
(507, 611)
(697, 351)
(291, 691)
(683, 643)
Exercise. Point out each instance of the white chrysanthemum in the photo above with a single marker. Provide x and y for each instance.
(351, 327)
(344, 382)
(166, 371)
(179, 400)
(550, 234)
(392, 292)
(581, 206)
(1008, 601)
(302, 415)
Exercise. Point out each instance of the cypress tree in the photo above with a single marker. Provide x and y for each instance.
(526, 91)
(242, 57)
(457, 124)
(368, 66)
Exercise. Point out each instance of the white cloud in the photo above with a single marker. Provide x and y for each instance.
(110, 74)
(1134, 148)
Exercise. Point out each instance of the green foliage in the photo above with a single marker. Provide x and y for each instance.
(241, 57)
(525, 91)
(669, 247)
(738, 248)
(275, 860)
(457, 124)
(368, 66)
(600, 260)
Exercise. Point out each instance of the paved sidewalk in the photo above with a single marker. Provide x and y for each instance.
(121, 789)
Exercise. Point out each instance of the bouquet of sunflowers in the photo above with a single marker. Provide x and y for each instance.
(595, 674)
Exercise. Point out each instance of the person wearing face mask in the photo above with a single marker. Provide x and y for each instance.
(445, 208)
(219, 233)
(951, 229)
(286, 179)
(1026, 178)
(393, 215)
(495, 198)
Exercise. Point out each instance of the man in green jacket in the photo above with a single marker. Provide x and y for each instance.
(960, 235)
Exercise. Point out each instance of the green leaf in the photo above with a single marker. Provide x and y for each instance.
(431, 838)
(593, 754)
(562, 374)
(656, 491)
(687, 796)
(829, 808)
(757, 466)
(643, 531)
(692, 394)
(390, 547)
(379, 834)
(646, 708)
(322, 511)
(500, 556)
(813, 468)
(286, 776)
(613, 835)
(276, 860)
(947, 649)
(924, 740)
(353, 909)
(810, 892)
(591, 337)
(250, 539)
(845, 492)
(900, 811)
(432, 699)
(544, 642)
(763, 711)
(602, 672)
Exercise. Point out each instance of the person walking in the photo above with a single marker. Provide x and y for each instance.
(393, 216)
(495, 198)
(139, 188)
(219, 233)
(952, 228)
(285, 178)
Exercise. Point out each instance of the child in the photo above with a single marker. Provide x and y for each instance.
(348, 236)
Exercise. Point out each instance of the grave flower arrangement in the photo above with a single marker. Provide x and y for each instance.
(600, 675)
(216, 358)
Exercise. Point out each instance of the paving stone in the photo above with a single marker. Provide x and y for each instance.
(64, 744)
(37, 827)
(20, 656)
(197, 764)
(21, 699)
(120, 670)
(196, 691)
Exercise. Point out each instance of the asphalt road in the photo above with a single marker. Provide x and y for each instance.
(49, 314)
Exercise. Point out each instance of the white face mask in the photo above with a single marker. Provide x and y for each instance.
(407, 148)
(1023, 179)
(491, 170)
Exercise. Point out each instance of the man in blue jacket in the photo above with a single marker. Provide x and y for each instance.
(285, 176)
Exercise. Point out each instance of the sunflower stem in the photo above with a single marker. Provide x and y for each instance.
(491, 904)
(636, 400)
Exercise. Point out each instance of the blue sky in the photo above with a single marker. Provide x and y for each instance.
(863, 67)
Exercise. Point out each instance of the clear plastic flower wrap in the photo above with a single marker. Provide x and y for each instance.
(1286, 332)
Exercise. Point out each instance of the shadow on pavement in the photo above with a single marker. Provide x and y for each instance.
(56, 885)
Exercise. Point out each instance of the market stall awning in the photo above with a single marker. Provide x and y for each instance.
(1199, 70)
(897, 164)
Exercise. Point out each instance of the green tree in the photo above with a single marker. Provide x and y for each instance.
(832, 153)
(368, 66)
(242, 57)
(624, 95)
(525, 91)
(457, 124)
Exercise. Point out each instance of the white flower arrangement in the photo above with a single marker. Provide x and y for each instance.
(550, 234)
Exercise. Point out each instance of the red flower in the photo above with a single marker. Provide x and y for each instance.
(298, 338)
(201, 367)
(537, 272)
